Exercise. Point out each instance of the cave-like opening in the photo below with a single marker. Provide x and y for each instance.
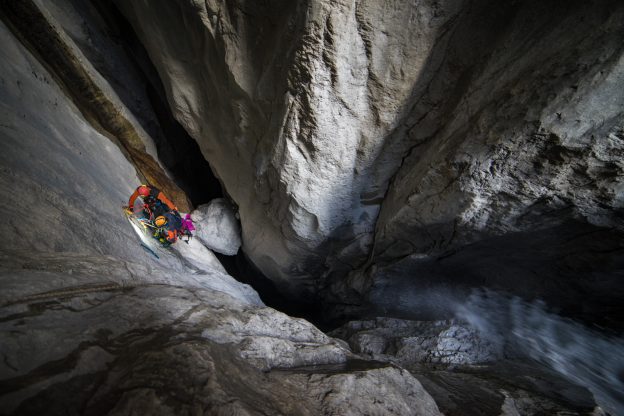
(243, 270)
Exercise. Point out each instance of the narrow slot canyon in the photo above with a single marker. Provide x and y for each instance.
(182, 158)
(398, 208)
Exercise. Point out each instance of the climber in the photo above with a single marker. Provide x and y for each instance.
(161, 216)
(168, 228)
(155, 203)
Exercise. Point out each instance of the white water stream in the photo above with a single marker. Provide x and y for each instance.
(585, 356)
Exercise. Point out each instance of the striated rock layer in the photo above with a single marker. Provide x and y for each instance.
(162, 349)
(62, 60)
(365, 141)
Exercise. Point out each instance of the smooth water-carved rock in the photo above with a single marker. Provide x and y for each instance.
(86, 88)
(381, 152)
(197, 255)
(65, 195)
(164, 349)
(91, 323)
(217, 227)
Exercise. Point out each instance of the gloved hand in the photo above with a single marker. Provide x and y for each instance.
(127, 210)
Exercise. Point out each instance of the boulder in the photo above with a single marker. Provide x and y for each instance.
(467, 371)
(217, 227)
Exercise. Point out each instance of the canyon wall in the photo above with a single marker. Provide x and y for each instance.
(375, 147)
(299, 110)
(386, 159)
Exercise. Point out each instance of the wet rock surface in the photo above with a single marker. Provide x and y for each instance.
(42, 35)
(466, 372)
(161, 349)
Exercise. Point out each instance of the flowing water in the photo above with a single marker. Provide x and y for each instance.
(585, 356)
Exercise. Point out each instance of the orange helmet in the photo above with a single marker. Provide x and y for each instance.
(160, 221)
(144, 190)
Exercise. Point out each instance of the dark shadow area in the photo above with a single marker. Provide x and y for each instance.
(243, 270)
(575, 268)
(182, 157)
(476, 390)
(177, 151)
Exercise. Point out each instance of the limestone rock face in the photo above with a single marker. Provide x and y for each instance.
(217, 227)
(523, 182)
(414, 342)
(371, 131)
(56, 168)
(387, 156)
(299, 109)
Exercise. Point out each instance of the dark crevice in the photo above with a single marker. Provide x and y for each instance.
(182, 157)
(243, 270)
(177, 150)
